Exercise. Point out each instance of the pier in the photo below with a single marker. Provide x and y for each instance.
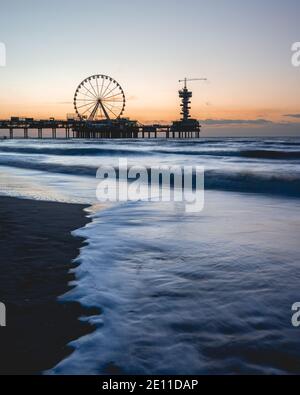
(80, 129)
(99, 103)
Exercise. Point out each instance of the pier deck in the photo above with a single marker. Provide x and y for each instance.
(76, 129)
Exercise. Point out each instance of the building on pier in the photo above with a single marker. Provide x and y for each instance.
(186, 125)
(107, 128)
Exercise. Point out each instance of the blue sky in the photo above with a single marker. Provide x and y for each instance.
(243, 48)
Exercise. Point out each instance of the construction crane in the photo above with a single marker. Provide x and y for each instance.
(191, 79)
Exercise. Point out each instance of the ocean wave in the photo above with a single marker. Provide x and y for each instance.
(49, 167)
(250, 154)
(80, 151)
(139, 151)
(252, 181)
(172, 299)
(270, 154)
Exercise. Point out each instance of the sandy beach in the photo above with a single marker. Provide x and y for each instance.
(37, 250)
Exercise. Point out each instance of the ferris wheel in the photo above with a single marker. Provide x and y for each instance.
(99, 97)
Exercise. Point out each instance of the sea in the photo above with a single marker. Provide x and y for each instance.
(208, 292)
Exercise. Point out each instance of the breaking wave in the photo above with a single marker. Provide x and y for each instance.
(241, 181)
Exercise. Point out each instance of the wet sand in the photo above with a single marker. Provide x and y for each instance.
(36, 253)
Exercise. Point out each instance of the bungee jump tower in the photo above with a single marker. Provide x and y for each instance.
(187, 127)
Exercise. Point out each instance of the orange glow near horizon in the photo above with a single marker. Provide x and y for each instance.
(44, 99)
(164, 114)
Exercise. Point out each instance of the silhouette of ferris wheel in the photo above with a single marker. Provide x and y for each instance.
(99, 97)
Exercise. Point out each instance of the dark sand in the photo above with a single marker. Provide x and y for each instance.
(36, 252)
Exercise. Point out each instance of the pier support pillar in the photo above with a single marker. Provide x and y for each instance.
(40, 133)
(54, 133)
(25, 133)
(11, 133)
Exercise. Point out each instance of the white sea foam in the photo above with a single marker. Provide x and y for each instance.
(180, 293)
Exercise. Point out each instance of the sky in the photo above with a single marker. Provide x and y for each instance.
(243, 48)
